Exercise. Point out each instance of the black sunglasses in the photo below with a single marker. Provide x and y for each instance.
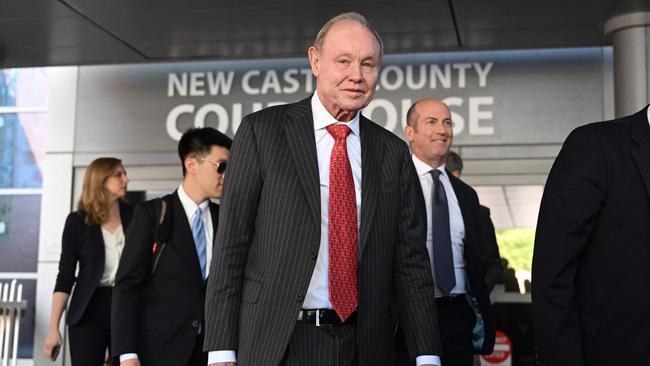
(221, 166)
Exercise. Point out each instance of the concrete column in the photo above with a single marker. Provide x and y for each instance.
(630, 35)
(56, 200)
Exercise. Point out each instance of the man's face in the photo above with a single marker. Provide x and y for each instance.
(208, 180)
(432, 134)
(346, 68)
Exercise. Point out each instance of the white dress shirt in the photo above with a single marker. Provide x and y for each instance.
(456, 224)
(190, 210)
(113, 245)
(189, 206)
(317, 296)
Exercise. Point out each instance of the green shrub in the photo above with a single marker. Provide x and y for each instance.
(516, 245)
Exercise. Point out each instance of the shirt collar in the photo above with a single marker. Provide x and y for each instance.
(423, 168)
(188, 204)
(322, 118)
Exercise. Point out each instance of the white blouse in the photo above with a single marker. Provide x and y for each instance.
(113, 245)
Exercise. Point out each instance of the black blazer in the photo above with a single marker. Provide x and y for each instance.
(269, 237)
(492, 265)
(157, 315)
(83, 244)
(591, 278)
(476, 288)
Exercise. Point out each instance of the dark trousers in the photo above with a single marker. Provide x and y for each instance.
(321, 346)
(90, 338)
(199, 358)
(401, 351)
(456, 320)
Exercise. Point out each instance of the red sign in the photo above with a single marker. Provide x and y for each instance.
(502, 350)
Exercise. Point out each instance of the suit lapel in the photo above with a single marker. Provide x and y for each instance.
(214, 212)
(455, 184)
(640, 134)
(371, 157)
(299, 132)
(182, 238)
(97, 240)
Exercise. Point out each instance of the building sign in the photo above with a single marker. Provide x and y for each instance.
(496, 98)
(257, 83)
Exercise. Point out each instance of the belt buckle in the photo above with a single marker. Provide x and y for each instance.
(318, 317)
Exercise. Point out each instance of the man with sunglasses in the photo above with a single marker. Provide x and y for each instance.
(157, 310)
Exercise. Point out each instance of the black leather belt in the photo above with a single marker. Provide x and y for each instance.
(324, 317)
(451, 299)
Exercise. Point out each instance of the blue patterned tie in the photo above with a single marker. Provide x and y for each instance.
(443, 259)
(198, 233)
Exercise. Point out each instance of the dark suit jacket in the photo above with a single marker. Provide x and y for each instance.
(491, 259)
(269, 237)
(157, 315)
(591, 297)
(476, 289)
(83, 244)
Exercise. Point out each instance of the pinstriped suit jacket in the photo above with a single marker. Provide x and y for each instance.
(269, 236)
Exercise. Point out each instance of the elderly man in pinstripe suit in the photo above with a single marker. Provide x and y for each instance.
(321, 239)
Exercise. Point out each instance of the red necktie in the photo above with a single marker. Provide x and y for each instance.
(342, 231)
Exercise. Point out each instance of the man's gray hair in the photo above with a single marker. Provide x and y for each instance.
(351, 16)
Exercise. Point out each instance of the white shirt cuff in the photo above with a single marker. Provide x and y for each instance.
(221, 356)
(128, 356)
(427, 360)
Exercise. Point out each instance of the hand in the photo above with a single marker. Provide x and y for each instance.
(130, 362)
(223, 364)
(53, 339)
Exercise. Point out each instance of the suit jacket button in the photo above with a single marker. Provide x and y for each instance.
(195, 323)
(314, 254)
(300, 297)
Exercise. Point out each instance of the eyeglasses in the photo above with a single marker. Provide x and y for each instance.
(221, 165)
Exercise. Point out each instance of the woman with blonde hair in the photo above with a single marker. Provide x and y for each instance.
(93, 238)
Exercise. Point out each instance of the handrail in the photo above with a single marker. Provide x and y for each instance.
(12, 307)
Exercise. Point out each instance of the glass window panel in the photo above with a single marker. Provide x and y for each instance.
(23, 87)
(27, 322)
(22, 137)
(19, 223)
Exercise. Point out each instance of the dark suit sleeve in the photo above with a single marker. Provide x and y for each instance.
(490, 258)
(69, 253)
(573, 197)
(130, 281)
(234, 235)
(413, 279)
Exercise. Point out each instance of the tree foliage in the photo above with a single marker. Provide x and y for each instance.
(516, 245)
